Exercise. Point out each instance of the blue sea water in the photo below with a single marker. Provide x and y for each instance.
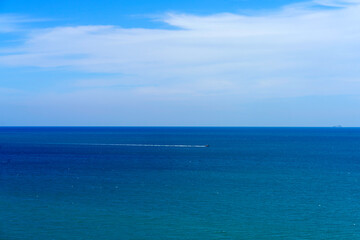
(134, 183)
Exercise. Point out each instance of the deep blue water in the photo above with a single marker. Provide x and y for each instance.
(251, 183)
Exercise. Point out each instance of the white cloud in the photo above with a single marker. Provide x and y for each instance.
(299, 50)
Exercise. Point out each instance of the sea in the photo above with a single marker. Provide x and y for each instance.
(119, 183)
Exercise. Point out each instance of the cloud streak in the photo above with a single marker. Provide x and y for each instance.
(13, 23)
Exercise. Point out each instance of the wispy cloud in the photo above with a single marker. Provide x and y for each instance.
(299, 50)
(14, 22)
(336, 3)
(8, 23)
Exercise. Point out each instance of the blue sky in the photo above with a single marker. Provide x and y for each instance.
(180, 63)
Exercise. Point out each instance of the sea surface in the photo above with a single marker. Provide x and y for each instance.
(163, 183)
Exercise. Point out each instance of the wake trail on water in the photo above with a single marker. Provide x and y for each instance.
(134, 145)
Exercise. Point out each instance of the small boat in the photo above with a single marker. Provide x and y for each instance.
(207, 145)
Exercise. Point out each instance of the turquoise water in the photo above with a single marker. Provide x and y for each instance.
(123, 183)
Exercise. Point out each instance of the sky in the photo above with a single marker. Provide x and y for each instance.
(180, 63)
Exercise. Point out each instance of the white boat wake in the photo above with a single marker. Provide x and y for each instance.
(135, 145)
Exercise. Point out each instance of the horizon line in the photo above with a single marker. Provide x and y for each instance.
(174, 126)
